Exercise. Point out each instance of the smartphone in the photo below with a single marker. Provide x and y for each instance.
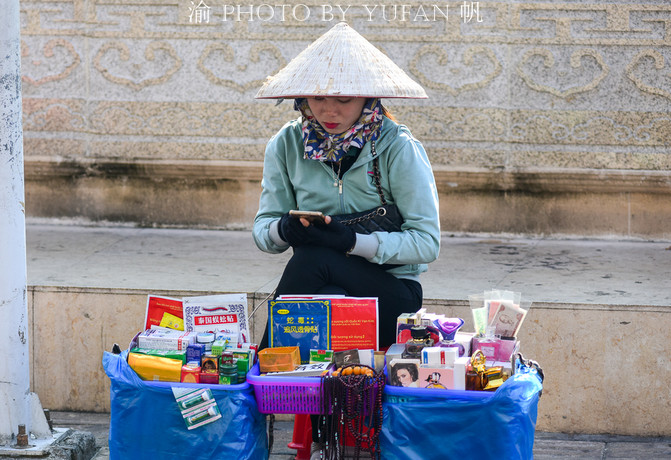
(310, 216)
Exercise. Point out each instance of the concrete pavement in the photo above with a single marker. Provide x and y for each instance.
(566, 271)
(547, 446)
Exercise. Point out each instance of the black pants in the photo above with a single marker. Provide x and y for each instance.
(317, 270)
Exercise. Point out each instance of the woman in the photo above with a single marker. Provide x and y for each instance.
(346, 155)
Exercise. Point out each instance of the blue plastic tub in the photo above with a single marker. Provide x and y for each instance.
(147, 423)
(420, 423)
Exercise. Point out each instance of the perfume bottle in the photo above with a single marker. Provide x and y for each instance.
(461, 351)
(475, 372)
(489, 344)
(420, 338)
(448, 329)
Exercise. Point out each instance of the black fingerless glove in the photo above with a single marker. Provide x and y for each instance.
(292, 231)
(335, 235)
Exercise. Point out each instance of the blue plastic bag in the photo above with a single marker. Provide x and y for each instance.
(146, 421)
(441, 424)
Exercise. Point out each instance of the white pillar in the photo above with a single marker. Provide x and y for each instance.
(15, 397)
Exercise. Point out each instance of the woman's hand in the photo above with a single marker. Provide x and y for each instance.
(332, 235)
(293, 230)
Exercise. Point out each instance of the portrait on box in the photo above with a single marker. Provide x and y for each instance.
(404, 374)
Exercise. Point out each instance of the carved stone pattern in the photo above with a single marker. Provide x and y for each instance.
(596, 75)
(35, 64)
(149, 54)
(229, 56)
(651, 87)
(467, 60)
(549, 63)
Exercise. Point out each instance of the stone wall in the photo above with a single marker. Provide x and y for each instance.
(542, 117)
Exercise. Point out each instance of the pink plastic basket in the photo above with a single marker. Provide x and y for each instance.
(286, 395)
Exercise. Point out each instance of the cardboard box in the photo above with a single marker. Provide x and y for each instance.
(165, 339)
(436, 377)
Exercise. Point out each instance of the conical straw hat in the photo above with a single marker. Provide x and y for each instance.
(341, 63)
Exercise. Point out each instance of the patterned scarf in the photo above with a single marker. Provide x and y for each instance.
(322, 146)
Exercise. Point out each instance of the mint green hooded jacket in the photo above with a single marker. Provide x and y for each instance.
(292, 182)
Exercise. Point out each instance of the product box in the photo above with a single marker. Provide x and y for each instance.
(346, 357)
(243, 355)
(321, 356)
(489, 346)
(460, 366)
(509, 346)
(194, 352)
(436, 377)
(439, 356)
(210, 364)
(190, 374)
(218, 346)
(224, 313)
(302, 323)
(149, 367)
(395, 351)
(367, 358)
(506, 366)
(403, 372)
(172, 354)
(164, 312)
(165, 339)
(464, 338)
(209, 378)
(496, 349)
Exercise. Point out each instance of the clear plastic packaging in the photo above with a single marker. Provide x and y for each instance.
(480, 313)
(507, 311)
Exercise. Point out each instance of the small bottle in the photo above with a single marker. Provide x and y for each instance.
(206, 338)
(420, 338)
(475, 380)
(489, 344)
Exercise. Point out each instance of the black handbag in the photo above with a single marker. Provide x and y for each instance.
(385, 218)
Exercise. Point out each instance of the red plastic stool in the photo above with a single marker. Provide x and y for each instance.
(301, 440)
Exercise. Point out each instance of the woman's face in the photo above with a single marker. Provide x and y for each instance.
(336, 114)
(404, 377)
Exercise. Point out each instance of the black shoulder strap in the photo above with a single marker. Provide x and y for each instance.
(376, 175)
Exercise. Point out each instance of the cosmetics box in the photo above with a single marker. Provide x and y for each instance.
(509, 346)
(165, 339)
(465, 339)
(436, 378)
(460, 366)
(439, 356)
(395, 351)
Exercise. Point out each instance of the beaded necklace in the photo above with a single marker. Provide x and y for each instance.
(353, 406)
